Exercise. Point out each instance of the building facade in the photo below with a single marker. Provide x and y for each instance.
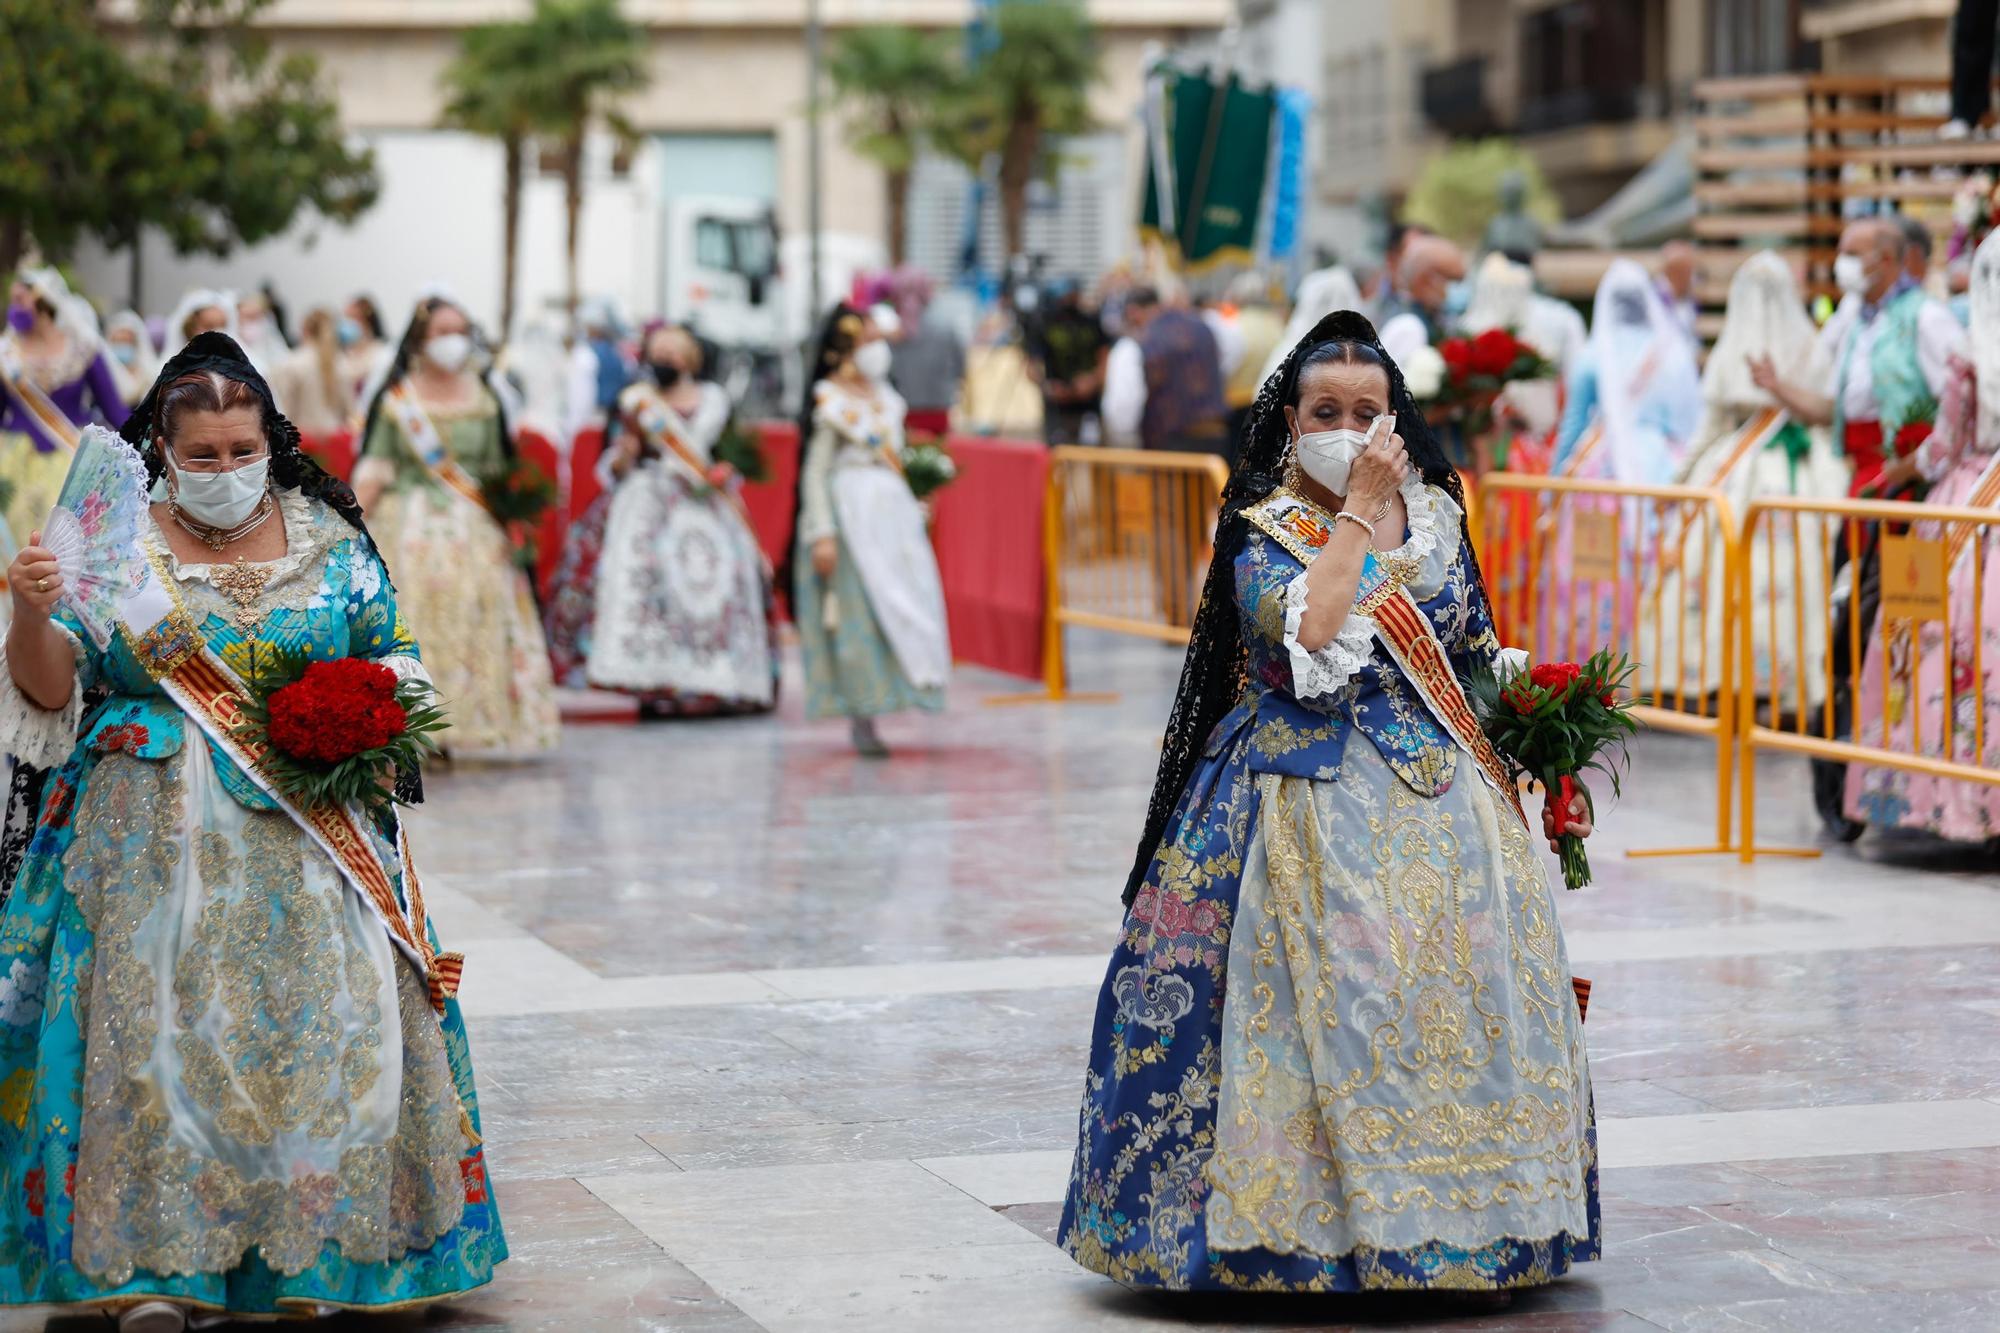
(725, 116)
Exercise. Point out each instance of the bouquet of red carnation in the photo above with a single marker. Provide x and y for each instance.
(1476, 369)
(331, 730)
(1555, 721)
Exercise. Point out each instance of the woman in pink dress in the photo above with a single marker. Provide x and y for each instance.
(1904, 700)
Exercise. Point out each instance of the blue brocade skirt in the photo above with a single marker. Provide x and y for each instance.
(1337, 1048)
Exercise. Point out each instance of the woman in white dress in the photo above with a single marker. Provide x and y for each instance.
(683, 613)
(865, 588)
(1748, 446)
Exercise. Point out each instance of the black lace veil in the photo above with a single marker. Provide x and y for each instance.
(292, 468)
(833, 345)
(1213, 677)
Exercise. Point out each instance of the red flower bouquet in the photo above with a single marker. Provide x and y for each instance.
(1476, 369)
(332, 730)
(1554, 721)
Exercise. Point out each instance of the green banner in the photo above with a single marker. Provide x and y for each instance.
(1212, 143)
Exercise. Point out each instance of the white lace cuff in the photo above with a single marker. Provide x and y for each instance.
(42, 737)
(1319, 673)
(408, 668)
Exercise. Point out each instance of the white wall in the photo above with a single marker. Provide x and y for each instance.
(438, 221)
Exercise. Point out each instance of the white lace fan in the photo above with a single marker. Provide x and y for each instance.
(94, 530)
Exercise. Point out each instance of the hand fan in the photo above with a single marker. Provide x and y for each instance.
(94, 530)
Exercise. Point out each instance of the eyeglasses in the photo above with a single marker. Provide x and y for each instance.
(216, 465)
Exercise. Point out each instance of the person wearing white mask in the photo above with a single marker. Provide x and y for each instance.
(218, 1020)
(1340, 945)
(134, 359)
(436, 433)
(1885, 357)
(866, 595)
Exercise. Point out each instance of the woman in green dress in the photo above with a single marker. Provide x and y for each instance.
(865, 589)
(436, 432)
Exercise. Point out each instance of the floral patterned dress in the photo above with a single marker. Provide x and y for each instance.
(682, 614)
(873, 638)
(461, 590)
(1914, 688)
(80, 385)
(1337, 1047)
(219, 1082)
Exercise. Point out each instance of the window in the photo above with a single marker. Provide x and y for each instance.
(712, 248)
(1753, 36)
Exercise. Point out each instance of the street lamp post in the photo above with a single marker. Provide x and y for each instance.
(814, 40)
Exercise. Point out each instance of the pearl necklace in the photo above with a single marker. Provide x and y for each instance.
(217, 538)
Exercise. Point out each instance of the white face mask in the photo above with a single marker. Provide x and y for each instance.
(872, 360)
(1850, 274)
(1328, 455)
(221, 499)
(449, 351)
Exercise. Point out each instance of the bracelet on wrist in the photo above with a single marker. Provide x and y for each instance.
(1344, 517)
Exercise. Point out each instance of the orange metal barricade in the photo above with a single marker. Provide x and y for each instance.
(1128, 535)
(1902, 681)
(1573, 566)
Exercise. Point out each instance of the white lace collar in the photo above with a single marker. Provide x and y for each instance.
(871, 421)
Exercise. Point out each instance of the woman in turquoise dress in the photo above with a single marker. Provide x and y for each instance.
(865, 589)
(1338, 1047)
(222, 1086)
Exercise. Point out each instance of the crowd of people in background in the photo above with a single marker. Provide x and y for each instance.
(1875, 395)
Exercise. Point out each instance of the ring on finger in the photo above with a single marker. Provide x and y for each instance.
(41, 585)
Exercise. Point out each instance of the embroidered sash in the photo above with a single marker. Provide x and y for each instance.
(1412, 641)
(429, 445)
(1592, 437)
(1303, 529)
(164, 637)
(15, 384)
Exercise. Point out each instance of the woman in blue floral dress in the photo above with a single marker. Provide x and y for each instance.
(1338, 1047)
(222, 1088)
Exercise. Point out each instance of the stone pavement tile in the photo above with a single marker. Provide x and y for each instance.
(1037, 1219)
(1001, 1182)
(772, 1145)
(1887, 1175)
(1693, 1184)
(1947, 1260)
(771, 1217)
(1627, 1097)
(565, 1155)
(1821, 1131)
(1862, 1312)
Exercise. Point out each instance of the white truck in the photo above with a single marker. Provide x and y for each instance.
(728, 276)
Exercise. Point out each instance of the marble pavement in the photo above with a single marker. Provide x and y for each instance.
(774, 1038)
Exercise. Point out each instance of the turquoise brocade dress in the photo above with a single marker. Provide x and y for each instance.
(1337, 1047)
(219, 1081)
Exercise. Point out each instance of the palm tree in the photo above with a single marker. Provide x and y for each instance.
(1032, 82)
(481, 87)
(889, 79)
(589, 54)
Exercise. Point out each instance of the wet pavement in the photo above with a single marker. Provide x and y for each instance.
(772, 1037)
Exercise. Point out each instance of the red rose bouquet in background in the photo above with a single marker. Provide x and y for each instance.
(331, 731)
(1556, 720)
(1476, 369)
